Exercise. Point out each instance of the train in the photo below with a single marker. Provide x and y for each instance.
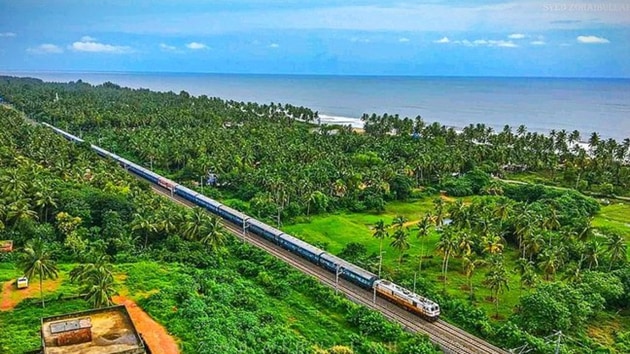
(394, 293)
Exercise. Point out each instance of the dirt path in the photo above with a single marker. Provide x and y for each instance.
(154, 334)
(11, 296)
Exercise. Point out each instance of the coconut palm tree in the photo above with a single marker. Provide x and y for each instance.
(399, 222)
(492, 244)
(469, 265)
(592, 252)
(525, 269)
(214, 234)
(99, 288)
(400, 242)
(380, 233)
(497, 281)
(446, 246)
(439, 211)
(36, 261)
(549, 261)
(616, 248)
(145, 225)
(424, 226)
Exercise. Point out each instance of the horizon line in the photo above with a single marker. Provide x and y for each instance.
(117, 72)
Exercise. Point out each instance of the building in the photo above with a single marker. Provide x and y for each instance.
(100, 331)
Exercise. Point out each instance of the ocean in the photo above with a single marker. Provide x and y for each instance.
(541, 104)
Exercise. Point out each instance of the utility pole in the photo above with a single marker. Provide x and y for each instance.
(558, 342)
(380, 263)
(339, 270)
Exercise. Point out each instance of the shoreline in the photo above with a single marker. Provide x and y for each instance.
(541, 104)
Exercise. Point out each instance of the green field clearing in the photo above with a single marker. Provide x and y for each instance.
(615, 218)
(337, 230)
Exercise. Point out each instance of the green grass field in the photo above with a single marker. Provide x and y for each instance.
(337, 230)
(615, 218)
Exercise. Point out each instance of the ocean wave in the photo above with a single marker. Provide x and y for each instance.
(352, 121)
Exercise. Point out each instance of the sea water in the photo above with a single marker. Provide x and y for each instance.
(541, 104)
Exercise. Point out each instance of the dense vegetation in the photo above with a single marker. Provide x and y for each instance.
(86, 230)
(569, 271)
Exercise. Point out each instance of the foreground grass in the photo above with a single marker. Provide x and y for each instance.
(20, 327)
(236, 301)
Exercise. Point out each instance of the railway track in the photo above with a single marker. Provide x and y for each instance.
(449, 338)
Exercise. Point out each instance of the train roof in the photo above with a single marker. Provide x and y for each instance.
(347, 265)
(399, 289)
(234, 212)
(265, 227)
(302, 244)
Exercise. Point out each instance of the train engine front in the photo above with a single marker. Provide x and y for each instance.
(415, 303)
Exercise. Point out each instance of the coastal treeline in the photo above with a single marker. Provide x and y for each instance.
(285, 168)
(276, 162)
(84, 231)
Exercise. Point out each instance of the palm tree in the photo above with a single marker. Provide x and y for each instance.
(99, 288)
(533, 244)
(400, 242)
(144, 224)
(492, 244)
(502, 210)
(439, 211)
(470, 264)
(446, 246)
(194, 222)
(525, 269)
(214, 234)
(380, 233)
(83, 272)
(36, 261)
(465, 243)
(497, 281)
(616, 248)
(399, 222)
(592, 251)
(424, 226)
(549, 262)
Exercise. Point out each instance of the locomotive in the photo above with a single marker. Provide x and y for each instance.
(415, 303)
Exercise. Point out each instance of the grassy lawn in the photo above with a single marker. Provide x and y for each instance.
(337, 230)
(615, 218)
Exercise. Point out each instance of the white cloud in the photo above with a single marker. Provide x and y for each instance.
(196, 46)
(592, 40)
(167, 48)
(403, 40)
(538, 42)
(442, 40)
(513, 17)
(95, 47)
(88, 39)
(359, 40)
(501, 43)
(7, 34)
(46, 48)
(274, 45)
(484, 42)
(517, 36)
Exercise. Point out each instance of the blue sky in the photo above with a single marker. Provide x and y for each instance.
(575, 38)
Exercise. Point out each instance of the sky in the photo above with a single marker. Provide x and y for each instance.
(576, 38)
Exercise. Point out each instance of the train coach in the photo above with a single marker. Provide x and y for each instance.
(415, 303)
